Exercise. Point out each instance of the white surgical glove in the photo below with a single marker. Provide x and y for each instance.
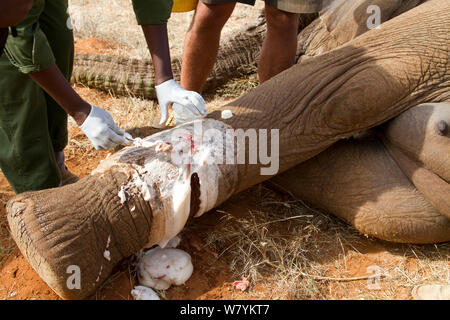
(101, 130)
(182, 114)
(170, 92)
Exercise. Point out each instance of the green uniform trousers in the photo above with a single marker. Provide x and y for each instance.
(32, 125)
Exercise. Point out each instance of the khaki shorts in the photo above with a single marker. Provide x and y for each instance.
(295, 6)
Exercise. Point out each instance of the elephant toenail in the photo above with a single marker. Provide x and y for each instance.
(442, 128)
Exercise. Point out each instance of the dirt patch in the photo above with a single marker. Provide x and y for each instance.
(20, 282)
(96, 46)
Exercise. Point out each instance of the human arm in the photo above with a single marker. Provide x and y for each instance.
(31, 54)
(13, 11)
(153, 16)
(96, 123)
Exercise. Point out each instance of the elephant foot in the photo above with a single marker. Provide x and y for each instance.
(73, 236)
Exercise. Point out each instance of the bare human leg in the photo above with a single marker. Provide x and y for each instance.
(279, 47)
(202, 43)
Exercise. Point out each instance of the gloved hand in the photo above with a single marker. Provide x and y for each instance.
(182, 114)
(101, 130)
(171, 92)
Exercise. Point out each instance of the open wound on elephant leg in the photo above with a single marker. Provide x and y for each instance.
(177, 172)
(168, 197)
(159, 146)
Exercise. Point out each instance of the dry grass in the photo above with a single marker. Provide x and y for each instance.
(276, 244)
(295, 252)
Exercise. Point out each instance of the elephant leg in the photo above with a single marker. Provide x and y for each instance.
(415, 154)
(358, 181)
(429, 184)
(237, 57)
(138, 197)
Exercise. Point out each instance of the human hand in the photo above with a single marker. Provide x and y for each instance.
(170, 92)
(102, 131)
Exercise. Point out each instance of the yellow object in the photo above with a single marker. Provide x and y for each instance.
(184, 5)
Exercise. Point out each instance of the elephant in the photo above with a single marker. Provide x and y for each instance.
(353, 200)
(340, 21)
(388, 183)
(146, 193)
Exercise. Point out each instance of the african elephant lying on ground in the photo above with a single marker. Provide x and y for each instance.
(373, 195)
(140, 196)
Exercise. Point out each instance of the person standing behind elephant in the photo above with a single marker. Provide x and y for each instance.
(278, 50)
(36, 96)
(153, 16)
